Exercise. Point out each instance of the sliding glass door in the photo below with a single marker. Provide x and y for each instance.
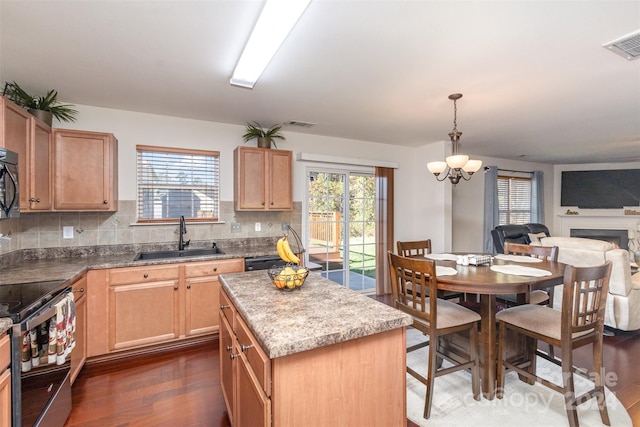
(341, 226)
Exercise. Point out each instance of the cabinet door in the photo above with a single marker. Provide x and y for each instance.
(5, 398)
(280, 180)
(85, 171)
(253, 407)
(15, 133)
(143, 313)
(39, 157)
(79, 353)
(202, 301)
(249, 182)
(227, 365)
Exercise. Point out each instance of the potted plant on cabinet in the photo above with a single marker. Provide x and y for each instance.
(43, 107)
(265, 137)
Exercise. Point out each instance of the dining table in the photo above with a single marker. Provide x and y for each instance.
(487, 281)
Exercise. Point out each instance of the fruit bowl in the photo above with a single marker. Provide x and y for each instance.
(288, 278)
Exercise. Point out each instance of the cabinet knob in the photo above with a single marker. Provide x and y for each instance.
(145, 275)
(223, 306)
(34, 200)
(262, 203)
(233, 356)
(81, 290)
(37, 200)
(244, 347)
(105, 202)
(228, 348)
(271, 203)
(189, 286)
(215, 269)
(175, 288)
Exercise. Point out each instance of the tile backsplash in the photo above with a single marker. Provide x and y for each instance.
(46, 230)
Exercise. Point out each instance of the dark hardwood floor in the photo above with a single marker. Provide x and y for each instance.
(181, 388)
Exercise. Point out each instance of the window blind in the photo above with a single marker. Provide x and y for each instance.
(514, 200)
(175, 182)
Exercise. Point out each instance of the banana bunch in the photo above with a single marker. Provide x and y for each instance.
(285, 252)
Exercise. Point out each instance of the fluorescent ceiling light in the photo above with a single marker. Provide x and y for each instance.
(274, 24)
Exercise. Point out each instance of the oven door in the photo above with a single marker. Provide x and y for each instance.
(9, 194)
(41, 396)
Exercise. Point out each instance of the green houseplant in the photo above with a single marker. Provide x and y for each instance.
(265, 137)
(43, 107)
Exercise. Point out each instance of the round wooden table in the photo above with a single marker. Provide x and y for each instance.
(487, 283)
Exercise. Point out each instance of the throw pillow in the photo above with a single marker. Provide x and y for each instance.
(535, 238)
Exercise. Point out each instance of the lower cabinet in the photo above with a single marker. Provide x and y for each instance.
(79, 353)
(245, 372)
(134, 307)
(5, 382)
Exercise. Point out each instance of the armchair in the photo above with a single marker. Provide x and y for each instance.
(516, 233)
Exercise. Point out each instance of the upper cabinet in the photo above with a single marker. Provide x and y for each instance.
(31, 139)
(85, 171)
(263, 179)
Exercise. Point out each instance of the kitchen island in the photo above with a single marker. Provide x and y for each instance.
(318, 355)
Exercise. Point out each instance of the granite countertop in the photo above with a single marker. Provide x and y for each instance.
(71, 263)
(319, 313)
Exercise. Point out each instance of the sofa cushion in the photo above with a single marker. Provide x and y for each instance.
(578, 243)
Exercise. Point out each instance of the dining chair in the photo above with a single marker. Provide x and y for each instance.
(549, 253)
(579, 323)
(415, 248)
(420, 248)
(436, 317)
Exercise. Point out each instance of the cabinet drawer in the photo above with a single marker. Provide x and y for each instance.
(126, 276)
(5, 353)
(258, 360)
(209, 268)
(227, 309)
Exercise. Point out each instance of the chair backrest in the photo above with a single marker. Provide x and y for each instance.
(416, 248)
(412, 281)
(584, 299)
(549, 253)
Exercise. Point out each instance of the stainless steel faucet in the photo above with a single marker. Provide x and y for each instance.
(181, 232)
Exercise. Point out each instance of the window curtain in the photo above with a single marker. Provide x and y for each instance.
(384, 227)
(490, 206)
(537, 197)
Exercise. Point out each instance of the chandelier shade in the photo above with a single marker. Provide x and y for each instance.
(457, 166)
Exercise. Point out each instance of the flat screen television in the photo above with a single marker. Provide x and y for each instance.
(600, 189)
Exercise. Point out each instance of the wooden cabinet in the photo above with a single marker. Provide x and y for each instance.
(263, 179)
(85, 171)
(245, 372)
(31, 139)
(79, 353)
(5, 382)
(134, 307)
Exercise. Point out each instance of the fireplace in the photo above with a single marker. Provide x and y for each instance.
(618, 237)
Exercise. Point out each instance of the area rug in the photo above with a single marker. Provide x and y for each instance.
(523, 405)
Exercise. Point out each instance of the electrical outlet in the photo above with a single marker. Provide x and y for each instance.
(258, 226)
(284, 226)
(67, 232)
(235, 227)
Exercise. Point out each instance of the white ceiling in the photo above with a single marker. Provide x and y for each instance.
(537, 83)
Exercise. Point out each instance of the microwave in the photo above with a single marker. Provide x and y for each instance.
(9, 192)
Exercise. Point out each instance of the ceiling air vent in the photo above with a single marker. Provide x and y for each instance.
(301, 124)
(627, 46)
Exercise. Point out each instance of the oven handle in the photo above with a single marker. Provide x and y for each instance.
(44, 313)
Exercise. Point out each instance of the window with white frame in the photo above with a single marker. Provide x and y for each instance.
(514, 200)
(174, 182)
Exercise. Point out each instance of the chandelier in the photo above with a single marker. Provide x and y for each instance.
(456, 165)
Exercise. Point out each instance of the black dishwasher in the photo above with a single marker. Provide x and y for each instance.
(262, 262)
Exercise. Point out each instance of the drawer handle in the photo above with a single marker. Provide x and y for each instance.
(228, 348)
(223, 306)
(79, 290)
(233, 356)
(145, 275)
(244, 348)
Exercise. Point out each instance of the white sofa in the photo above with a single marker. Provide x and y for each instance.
(623, 301)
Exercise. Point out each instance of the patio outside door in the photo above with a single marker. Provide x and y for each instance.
(341, 227)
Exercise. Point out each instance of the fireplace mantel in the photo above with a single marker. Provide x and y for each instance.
(597, 221)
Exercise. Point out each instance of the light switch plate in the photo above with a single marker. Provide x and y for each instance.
(67, 232)
(258, 226)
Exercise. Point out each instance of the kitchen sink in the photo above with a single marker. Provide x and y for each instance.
(145, 256)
